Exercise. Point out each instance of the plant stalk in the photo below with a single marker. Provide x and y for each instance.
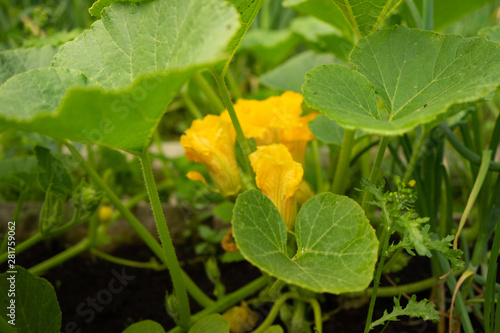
(380, 267)
(209, 92)
(240, 137)
(342, 170)
(59, 258)
(227, 301)
(166, 241)
(374, 174)
(143, 233)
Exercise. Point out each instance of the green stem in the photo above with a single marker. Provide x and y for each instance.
(143, 233)
(414, 12)
(342, 170)
(192, 108)
(166, 241)
(464, 151)
(317, 166)
(427, 15)
(265, 15)
(17, 211)
(125, 262)
(378, 273)
(483, 171)
(271, 316)
(227, 301)
(374, 174)
(409, 288)
(417, 153)
(24, 245)
(459, 301)
(61, 257)
(233, 86)
(212, 97)
(240, 137)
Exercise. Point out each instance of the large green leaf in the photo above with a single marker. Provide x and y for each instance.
(21, 60)
(324, 10)
(123, 72)
(366, 16)
(145, 326)
(418, 74)
(337, 247)
(290, 75)
(213, 323)
(99, 5)
(36, 306)
(272, 46)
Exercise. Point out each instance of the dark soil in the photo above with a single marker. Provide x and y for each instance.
(81, 285)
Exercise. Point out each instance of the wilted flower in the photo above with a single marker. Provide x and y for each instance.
(210, 141)
(278, 176)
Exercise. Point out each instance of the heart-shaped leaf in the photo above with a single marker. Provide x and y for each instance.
(366, 17)
(40, 314)
(122, 72)
(418, 74)
(145, 326)
(324, 10)
(213, 323)
(337, 247)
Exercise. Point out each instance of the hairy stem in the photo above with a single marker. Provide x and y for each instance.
(166, 241)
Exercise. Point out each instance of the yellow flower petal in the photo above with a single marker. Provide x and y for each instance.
(278, 176)
(195, 175)
(210, 141)
(296, 138)
(264, 120)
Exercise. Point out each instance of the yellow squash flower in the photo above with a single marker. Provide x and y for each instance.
(276, 120)
(210, 141)
(296, 138)
(278, 176)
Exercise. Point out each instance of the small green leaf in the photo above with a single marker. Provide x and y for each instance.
(423, 309)
(326, 130)
(418, 74)
(324, 10)
(123, 72)
(18, 169)
(366, 17)
(271, 46)
(337, 247)
(145, 326)
(40, 314)
(53, 173)
(224, 211)
(213, 323)
(290, 75)
(322, 37)
(274, 329)
(21, 60)
(493, 33)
